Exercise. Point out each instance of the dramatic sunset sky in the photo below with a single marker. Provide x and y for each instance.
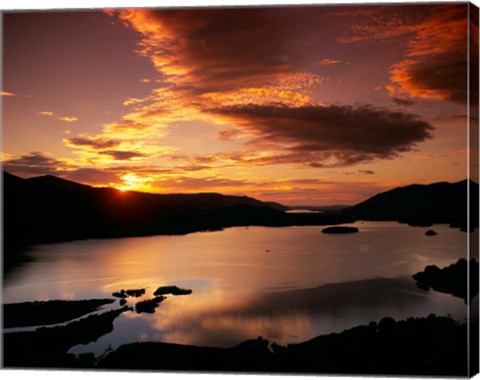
(300, 105)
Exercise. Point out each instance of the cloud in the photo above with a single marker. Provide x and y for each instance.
(149, 116)
(378, 25)
(214, 44)
(291, 191)
(361, 172)
(93, 176)
(5, 93)
(102, 150)
(325, 136)
(92, 142)
(43, 163)
(134, 130)
(435, 41)
(131, 101)
(192, 184)
(229, 134)
(435, 64)
(6, 156)
(34, 163)
(366, 172)
(328, 62)
(122, 154)
(223, 50)
(68, 119)
(250, 68)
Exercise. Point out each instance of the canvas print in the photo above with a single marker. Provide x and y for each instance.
(253, 189)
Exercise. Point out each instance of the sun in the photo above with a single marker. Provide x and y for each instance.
(132, 181)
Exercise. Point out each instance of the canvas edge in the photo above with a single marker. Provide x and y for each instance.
(473, 175)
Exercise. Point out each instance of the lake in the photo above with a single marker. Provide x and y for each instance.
(285, 284)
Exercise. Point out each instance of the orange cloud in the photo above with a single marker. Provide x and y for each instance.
(328, 62)
(131, 101)
(68, 119)
(435, 66)
(174, 41)
(133, 181)
(212, 67)
(435, 63)
(6, 156)
(5, 93)
(258, 96)
(46, 113)
(85, 140)
(129, 130)
(178, 42)
(378, 24)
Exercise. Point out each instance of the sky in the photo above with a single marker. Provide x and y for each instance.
(309, 105)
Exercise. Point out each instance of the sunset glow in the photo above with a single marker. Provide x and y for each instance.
(300, 105)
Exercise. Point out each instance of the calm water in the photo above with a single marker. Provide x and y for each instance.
(285, 284)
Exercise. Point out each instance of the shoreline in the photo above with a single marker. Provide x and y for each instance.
(421, 346)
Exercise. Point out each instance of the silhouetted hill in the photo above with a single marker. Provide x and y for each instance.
(48, 209)
(422, 205)
(10, 179)
(50, 182)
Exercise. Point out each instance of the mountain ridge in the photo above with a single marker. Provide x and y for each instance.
(48, 208)
(422, 205)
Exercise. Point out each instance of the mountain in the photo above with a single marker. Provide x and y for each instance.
(48, 208)
(51, 182)
(422, 205)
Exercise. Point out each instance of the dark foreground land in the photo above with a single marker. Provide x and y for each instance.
(417, 346)
(47, 347)
(434, 346)
(451, 279)
(48, 312)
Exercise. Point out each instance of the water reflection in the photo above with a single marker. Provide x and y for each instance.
(281, 317)
(235, 259)
(249, 282)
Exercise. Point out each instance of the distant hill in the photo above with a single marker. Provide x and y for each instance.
(319, 208)
(48, 208)
(422, 205)
(53, 183)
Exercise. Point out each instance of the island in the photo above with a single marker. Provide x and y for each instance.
(340, 230)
